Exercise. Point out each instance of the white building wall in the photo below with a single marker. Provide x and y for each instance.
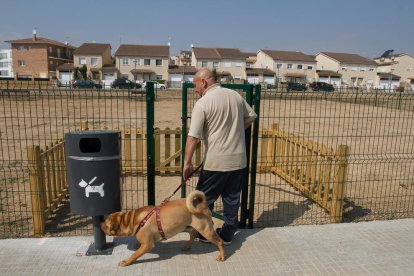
(6, 63)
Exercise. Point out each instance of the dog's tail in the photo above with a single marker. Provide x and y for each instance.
(197, 203)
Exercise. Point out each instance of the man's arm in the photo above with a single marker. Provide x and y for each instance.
(190, 148)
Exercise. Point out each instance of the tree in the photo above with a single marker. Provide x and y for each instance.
(84, 71)
(76, 74)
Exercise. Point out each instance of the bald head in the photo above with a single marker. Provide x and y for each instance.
(204, 73)
(203, 79)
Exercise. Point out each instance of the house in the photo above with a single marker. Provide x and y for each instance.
(395, 70)
(185, 58)
(98, 61)
(143, 62)
(345, 69)
(6, 63)
(289, 66)
(178, 74)
(38, 57)
(229, 63)
(250, 59)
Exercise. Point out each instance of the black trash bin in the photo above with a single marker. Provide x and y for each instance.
(93, 168)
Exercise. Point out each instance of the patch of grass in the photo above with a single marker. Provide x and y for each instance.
(14, 163)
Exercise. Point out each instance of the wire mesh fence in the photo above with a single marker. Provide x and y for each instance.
(376, 126)
(40, 114)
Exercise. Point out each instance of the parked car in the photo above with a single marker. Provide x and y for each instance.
(156, 85)
(86, 84)
(125, 84)
(296, 86)
(322, 86)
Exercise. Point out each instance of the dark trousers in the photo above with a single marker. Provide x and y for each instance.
(227, 185)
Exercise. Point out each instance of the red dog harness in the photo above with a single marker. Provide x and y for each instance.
(156, 209)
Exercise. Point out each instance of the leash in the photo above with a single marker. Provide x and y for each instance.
(156, 209)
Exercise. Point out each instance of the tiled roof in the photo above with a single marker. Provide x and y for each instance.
(327, 73)
(182, 69)
(259, 71)
(143, 50)
(40, 40)
(288, 56)
(92, 49)
(346, 58)
(388, 75)
(218, 53)
(65, 67)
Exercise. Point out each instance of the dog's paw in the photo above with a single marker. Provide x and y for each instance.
(124, 263)
(220, 258)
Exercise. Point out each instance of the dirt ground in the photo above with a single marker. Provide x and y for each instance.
(380, 179)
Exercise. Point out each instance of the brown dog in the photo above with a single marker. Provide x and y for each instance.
(190, 214)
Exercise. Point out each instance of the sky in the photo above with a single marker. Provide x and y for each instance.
(364, 27)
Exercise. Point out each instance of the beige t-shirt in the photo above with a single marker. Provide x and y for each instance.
(218, 118)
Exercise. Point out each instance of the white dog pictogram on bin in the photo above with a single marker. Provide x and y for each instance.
(92, 189)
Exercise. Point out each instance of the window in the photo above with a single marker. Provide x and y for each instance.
(21, 63)
(300, 67)
(125, 61)
(158, 77)
(371, 69)
(353, 69)
(289, 66)
(50, 49)
(158, 62)
(3, 64)
(239, 64)
(279, 65)
(3, 56)
(344, 69)
(94, 61)
(215, 64)
(20, 48)
(147, 62)
(82, 61)
(310, 67)
(237, 77)
(362, 69)
(227, 64)
(204, 63)
(51, 62)
(137, 61)
(3, 73)
(409, 69)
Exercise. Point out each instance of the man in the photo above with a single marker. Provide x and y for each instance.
(219, 118)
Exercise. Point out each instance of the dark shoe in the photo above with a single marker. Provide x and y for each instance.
(225, 242)
(201, 238)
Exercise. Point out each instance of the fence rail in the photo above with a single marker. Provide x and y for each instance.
(47, 177)
(317, 171)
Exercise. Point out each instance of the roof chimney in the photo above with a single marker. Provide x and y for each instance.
(34, 33)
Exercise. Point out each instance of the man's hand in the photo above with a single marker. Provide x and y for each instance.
(188, 170)
(189, 151)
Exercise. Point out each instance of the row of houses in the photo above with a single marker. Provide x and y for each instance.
(42, 58)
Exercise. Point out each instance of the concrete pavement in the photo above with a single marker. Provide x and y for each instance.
(366, 248)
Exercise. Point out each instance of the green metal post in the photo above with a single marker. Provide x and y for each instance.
(245, 188)
(256, 104)
(150, 144)
(183, 132)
